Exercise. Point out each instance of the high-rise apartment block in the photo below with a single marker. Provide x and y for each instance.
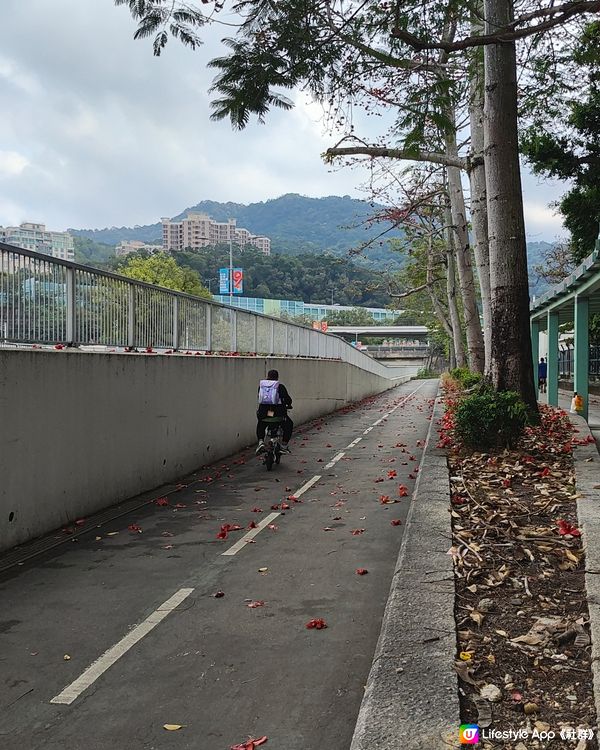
(32, 236)
(199, 230)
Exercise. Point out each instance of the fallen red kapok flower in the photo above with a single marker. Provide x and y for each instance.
(384, 499)
(225, 529)
(219, 594)
(292, 499)
(361, 571)
(379, 480)
(134, 527)
(254, 605)
(275, 506)
(506, 482)
(316, 624)
(356, 532)
(256, 510)
(252, 525)
(402, 491)
(249, 744)
(395, 522)
(564, 527)
(59, 346)
(80, 522)
(285, 506)
(161, 502)
(392, 473)
(545, 472)
(273, 527)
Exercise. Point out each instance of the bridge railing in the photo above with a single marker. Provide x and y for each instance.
(46, 300)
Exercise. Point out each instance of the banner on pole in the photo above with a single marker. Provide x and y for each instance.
(238, 280)
(223, 281)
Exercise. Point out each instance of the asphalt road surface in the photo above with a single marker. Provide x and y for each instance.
(110, 636)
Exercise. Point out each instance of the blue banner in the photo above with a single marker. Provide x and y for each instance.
(223, 281)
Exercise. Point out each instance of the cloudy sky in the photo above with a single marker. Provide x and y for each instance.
(97, 132)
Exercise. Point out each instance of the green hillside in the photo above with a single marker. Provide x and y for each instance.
(296, 225)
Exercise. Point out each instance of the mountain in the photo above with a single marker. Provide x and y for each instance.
(536, 253)
(296, 225)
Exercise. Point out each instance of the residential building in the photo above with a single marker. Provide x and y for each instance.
(133, 246)
(35, 237)
(199, 230)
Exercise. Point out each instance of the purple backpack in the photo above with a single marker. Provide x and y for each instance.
(268, 392)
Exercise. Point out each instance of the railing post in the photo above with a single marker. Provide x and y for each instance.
(287, 339)
(175, 322)
(209, 328)
(255, 345)
(233, 330)
(131, 342)
(70, 306)
(272, 337)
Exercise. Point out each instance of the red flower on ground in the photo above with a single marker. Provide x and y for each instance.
(316, 624)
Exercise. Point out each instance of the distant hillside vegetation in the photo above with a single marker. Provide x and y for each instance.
(296, 225)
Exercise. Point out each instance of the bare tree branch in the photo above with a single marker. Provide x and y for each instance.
(558, 15)
(400, 295)
(395, 153)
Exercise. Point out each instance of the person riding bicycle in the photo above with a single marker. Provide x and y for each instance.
(273, 401)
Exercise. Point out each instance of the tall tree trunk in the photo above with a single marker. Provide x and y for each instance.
(464, 266)
(510, 364)
(479, 219)
(437, 306)
(457, 340)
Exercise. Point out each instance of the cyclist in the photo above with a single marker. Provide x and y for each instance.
(273, 401)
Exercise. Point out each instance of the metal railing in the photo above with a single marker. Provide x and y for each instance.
(566, 363)
(46, 300)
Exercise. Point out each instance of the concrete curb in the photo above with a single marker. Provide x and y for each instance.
(411, 696)
(587, 483)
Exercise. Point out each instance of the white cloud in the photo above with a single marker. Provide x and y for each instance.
(12, 163)
(99, 132)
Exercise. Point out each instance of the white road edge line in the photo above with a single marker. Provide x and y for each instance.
(366, 432)
(353, 443)
(235, 548)
(108, 658)
(307, 485)
(334, 460)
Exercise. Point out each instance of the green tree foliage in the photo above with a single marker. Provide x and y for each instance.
(311, 278)
(91, 253)
(568, 147)
(161, 269)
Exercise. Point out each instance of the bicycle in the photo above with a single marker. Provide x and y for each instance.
(273, 434)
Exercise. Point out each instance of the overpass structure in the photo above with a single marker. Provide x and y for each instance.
(405, 332)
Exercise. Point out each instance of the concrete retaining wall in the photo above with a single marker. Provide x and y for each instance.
(81, 431)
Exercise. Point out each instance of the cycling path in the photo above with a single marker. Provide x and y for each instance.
(135, 599)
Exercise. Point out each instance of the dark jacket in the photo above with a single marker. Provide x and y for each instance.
(279, 409)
